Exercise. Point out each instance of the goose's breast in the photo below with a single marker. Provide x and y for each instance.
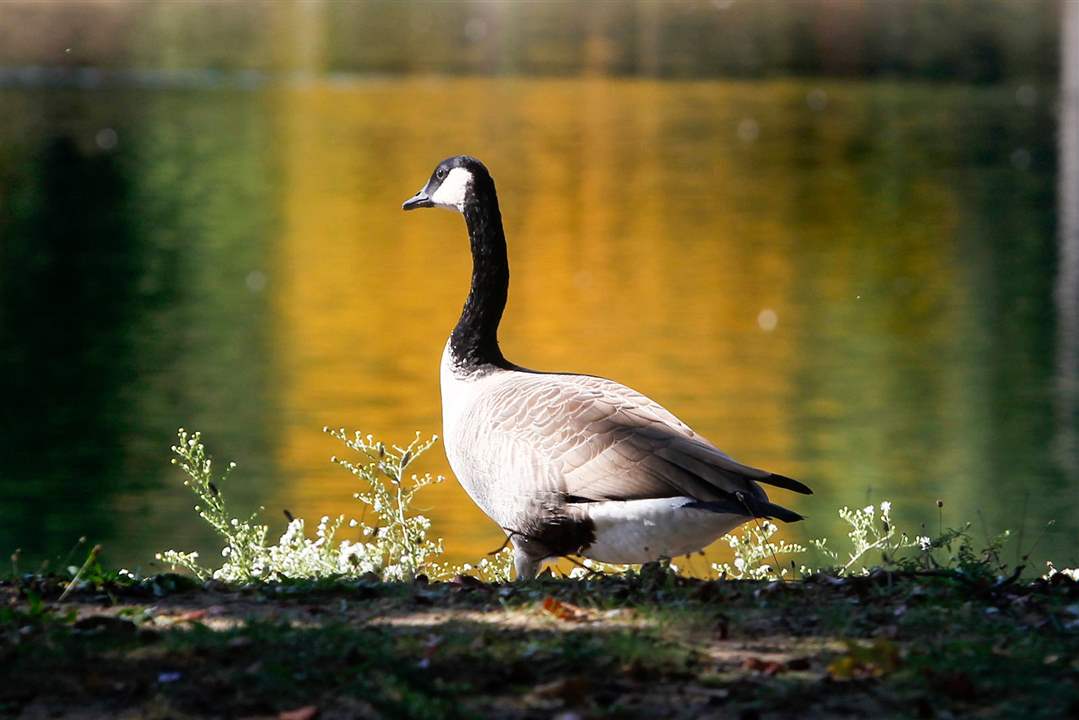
(483, 460)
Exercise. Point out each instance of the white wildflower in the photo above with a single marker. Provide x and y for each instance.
(399, 551)
(752, 551)
(1072, 573)
(866, 536)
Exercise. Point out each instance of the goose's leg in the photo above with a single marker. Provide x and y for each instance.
(526, 565)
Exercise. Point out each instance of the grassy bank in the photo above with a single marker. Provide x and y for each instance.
(649, 644)
(348, 623)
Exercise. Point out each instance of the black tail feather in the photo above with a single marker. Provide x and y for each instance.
(778, 512)
(786, 483)
(750, 507)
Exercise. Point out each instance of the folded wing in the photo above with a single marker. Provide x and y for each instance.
(595, 440)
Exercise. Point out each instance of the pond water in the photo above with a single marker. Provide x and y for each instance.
(849, 283)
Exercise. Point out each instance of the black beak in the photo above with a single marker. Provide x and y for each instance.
(419, 200)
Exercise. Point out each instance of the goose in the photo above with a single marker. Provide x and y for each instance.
(571, 464)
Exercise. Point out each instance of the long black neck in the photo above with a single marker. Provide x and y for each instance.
(474, 341)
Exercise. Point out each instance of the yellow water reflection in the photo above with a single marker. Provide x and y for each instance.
(721, 247)
(622, 265)
(851, 283)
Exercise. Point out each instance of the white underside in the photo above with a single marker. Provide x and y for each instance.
(638, 531)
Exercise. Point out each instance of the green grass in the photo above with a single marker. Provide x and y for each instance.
(639, 645)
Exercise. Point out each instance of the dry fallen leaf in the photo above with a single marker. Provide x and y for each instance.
(865, 660)
(307, 712)
(563, 610)
(190, 616)
(765, 667)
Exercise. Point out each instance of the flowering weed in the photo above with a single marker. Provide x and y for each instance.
(395, 548)
(397, 545)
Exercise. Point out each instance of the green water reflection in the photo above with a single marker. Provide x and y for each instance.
(850, 283)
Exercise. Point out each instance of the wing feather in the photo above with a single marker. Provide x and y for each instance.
(594, 439)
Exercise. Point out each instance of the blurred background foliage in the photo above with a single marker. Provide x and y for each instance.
(961, 40)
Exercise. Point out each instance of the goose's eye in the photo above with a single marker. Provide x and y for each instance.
(441, 174)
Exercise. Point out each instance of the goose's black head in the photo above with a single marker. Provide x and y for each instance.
(455, 184)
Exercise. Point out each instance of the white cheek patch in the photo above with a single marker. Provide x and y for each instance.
(451, 193)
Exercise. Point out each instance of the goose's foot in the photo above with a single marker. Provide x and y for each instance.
(526, 566)
(547, 530)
